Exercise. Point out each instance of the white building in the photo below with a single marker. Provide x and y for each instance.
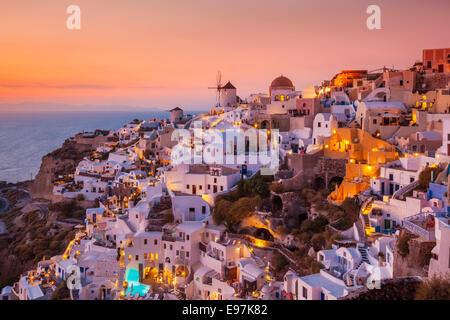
(440, 260)
(283, 96)
(324, 124)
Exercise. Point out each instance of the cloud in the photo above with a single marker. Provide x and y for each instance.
(40, 85)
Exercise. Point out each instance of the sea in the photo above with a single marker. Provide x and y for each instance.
(25, 137)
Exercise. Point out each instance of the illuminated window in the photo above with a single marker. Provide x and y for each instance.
(282, 97)
(156, 256)
(277, 98)
(129, 257)
(151, 256)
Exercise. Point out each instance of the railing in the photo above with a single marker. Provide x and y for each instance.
(400, 193)
(418, 230)
(415, 228)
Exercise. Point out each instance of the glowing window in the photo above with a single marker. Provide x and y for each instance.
(282, 97)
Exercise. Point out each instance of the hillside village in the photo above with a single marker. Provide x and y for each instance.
(359, 201)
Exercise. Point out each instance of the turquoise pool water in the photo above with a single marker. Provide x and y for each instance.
(134, 286)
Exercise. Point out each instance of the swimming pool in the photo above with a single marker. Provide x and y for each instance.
(134, 286)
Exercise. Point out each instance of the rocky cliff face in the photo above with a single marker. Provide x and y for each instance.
(33, 231)
(60, 162)
(416, 262)
(42, 186)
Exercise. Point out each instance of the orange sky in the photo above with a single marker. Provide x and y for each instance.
(166, 53)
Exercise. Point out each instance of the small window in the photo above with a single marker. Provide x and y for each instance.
(187, 237)
(145, 241)
(319, 124)
(137, 257)
(305, 293)
(156, 241)
(187, 186)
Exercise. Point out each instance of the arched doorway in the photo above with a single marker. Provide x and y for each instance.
(277, 204)
(105, 291)
(319, 183)
(265, 124)
(335, 181)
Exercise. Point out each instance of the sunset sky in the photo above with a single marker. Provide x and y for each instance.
(166, 53)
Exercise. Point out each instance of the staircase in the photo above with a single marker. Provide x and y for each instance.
(365, 210)
(179, 295)
(366, 221)
(399, 194)
(364, 254)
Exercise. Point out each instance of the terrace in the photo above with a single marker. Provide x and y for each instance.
(423, 223)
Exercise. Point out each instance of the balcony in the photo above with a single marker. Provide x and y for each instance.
(423, 223)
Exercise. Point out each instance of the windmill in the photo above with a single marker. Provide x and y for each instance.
(218, 86)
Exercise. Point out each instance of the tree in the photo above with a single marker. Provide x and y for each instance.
(403, 245)
(61, 292)
(318, 241)
(435, 288)
(425, 176)
(279, 261)
(277, 187)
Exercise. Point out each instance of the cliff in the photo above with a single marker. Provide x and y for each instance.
(417, 259)
(60, 163)
(42, 186)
